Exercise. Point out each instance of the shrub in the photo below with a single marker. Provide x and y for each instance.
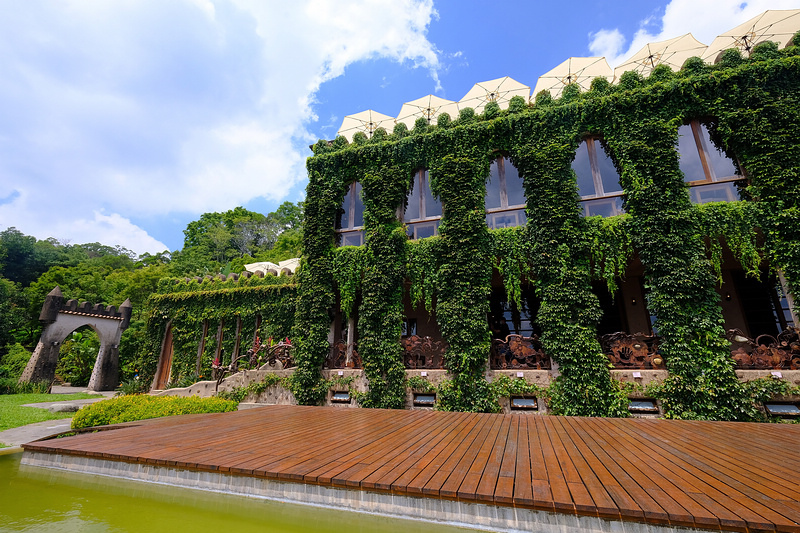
(11, 386)
(141, 407)
(13, 363)
(133, 386)
(77, 357)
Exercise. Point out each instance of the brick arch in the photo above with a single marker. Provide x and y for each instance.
(60, 319)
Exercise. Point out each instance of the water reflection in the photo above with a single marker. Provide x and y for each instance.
(38, 499)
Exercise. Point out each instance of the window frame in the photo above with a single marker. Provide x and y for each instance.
(703, 151)
(421, 184)
(502, 186)
(704, 148)
(600, 194)
(351, 229)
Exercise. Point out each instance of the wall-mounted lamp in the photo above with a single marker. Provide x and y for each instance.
(728, 296)
(633, 301)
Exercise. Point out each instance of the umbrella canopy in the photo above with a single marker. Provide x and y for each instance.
(428, 107)
(580, 70)
(367, 121)
(263, 266)
(772, 25)
(672, 52)
(501, 90)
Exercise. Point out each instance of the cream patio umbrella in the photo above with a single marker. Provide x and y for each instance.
(672, 52)
(772, 25)
(501, 90)
(580, 70)
(428, 107)
(367, 122)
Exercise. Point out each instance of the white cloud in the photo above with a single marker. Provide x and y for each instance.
(705, 19)
(148, 107)
(607, 43)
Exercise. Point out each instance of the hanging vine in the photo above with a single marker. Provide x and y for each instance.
(381, 313)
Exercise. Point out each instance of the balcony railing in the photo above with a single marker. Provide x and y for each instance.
(766, 352)
(337, 357)
(637, 350)
(423, 352)
(518, 352)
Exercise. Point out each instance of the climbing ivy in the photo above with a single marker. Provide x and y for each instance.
(611, 248)
(381, 312)
(557, 237)
(348, 271)
(187, 304)
(750, 107)
(508, 247)
(315, 294)
(422, 269)
(735, 224)
(462, 304)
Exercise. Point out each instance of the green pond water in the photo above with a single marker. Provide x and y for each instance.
(38, 499)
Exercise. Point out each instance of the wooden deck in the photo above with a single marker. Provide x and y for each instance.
(729, 476)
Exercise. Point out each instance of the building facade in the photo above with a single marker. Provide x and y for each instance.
(645, 230)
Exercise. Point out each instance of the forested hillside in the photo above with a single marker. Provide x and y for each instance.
(99, 273)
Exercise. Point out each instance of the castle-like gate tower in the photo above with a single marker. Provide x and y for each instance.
(60, 319)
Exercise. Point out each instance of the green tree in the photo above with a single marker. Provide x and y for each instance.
(12, 313)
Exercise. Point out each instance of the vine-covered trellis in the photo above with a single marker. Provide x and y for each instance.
(232, 308)
(751, 109)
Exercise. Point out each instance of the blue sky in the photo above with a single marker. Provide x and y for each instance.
(120, 122)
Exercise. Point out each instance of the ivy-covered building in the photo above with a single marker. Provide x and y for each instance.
(648, 225)
(631, 239)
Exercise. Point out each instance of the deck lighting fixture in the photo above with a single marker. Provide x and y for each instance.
(521, 403)
(644, 405)
(341, 397)
(783, 410)
(424, 399)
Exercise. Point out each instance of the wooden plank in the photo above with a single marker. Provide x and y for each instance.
(683, 473)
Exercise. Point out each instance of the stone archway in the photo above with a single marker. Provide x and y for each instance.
(60, 319)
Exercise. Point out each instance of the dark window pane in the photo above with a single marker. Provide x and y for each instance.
(689, 161)
(421, 230)
(723, 165)
(607, 207)
(516, 194)
(412, 209)
(433, 208)
(506, 219)
(757, 303)
(718, 192)
(492, 200)
(608, 173)
(344, 217)
(583, 169)
(353, 238)
(358, 219)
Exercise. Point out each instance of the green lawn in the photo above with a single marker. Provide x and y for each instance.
(13, 414)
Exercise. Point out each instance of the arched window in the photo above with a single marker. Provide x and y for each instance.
(350, 222)
(505, 196)
(423, 211)
(598, 180)
(710, 173)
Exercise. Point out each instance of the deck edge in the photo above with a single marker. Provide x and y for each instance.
(436, 510)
